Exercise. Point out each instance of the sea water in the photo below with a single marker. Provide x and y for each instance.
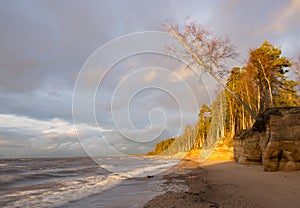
(77, 182)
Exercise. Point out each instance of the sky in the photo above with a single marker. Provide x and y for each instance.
(50, 56)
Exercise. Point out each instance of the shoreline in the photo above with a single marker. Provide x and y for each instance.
(223, 183)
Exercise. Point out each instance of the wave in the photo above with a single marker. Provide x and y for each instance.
(15, 177)
(150, 170)
(60, 192)
(66, 186)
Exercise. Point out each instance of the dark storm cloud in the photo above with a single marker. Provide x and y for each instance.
(45, 39)
(53, 38)
(44, 44)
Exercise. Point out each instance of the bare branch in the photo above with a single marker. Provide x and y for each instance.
(207, 50)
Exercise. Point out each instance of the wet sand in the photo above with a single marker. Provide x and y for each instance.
(131, 193)
(218, 183)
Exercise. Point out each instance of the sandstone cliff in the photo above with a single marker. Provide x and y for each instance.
(273, 141)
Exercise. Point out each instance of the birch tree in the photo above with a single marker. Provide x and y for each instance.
(207, 51)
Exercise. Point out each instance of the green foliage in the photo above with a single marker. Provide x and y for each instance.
(266, 67)
(203, 125)
(261, 83)
(286, 94)
(162, 146)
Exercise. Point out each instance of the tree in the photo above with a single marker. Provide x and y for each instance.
(204, 49)
(237, 118)
(262, 83)
(203, 125)
(233, 85)
(162, 146)
(217, 123)
(266, 67)
(286, 96)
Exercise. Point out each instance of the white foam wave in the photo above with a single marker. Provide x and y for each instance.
(63, 191)
(149, 170)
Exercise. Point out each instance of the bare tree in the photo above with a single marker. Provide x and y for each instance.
(207, 51)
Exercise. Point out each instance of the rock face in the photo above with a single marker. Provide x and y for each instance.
(273, 141)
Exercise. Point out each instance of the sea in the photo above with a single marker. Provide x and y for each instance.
(81, 181)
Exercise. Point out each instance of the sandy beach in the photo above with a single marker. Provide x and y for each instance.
(221, 183)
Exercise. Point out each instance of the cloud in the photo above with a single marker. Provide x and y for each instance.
(151, 75)
(58, 137)
(248, 23)
(45, 44)
(181, 73)
(54, 136)
(286, 17)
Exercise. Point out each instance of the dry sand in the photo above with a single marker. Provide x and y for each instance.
(227, 184)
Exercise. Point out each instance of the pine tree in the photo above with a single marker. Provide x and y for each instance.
(267, 68)
(203, 125)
